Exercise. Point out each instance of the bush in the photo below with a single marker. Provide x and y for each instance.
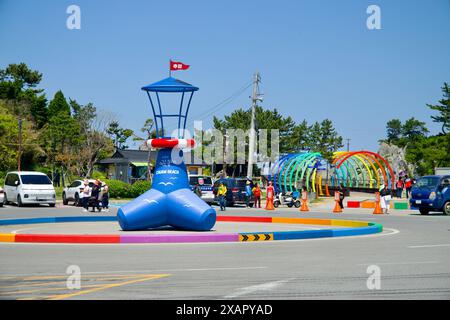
(119, 189)
(139, 187)
(98, 175)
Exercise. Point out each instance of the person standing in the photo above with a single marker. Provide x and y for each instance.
(85, 194)
(341, 195)
(399, 187)
(221, 193)
(248, 194)
(105, 198)
(95, 193)
(270, 193)
(56, 179)
(385, 198)
(257, 194)
(197, 190)
(408, 186)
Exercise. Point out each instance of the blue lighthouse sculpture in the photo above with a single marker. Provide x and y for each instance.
(170, 201)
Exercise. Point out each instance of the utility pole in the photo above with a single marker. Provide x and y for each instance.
(256, 96)
(348, 144)
(19, 153)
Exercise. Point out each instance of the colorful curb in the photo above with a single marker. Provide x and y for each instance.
(355, 228)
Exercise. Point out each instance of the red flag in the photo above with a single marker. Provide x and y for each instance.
(174, 66)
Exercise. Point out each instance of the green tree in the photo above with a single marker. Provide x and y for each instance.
(39, 111)
(16, 79)
(94, 144)
(119, 135)
(414, 130)
(394, 130)
(443, 108)
(58, 105)
(324, 138)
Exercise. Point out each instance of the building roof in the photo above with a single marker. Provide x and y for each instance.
(141, 156)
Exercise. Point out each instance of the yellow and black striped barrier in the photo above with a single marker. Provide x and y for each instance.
(245, 237)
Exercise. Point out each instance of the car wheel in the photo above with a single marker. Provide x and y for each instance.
(250, 205)
(65, 201)
(19, 201)
(77, 202)
(447, 208)
(51, 205)
(424, 211)
(297, 204)
(5, 200)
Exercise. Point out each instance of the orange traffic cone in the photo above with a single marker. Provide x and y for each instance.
(269, 198)
(337, 207)
(304, 206)
(269, 205)
(377, 209)
(327, 192)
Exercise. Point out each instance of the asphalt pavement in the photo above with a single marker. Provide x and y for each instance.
(411, 257)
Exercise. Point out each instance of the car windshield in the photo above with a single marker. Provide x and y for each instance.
(35, 179)
(200, 181)
(427, 182)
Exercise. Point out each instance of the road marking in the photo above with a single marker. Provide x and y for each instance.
(397, 263)
(108, 273)
(259, 287)
(43, 290)
(105, 287)
(430, 246)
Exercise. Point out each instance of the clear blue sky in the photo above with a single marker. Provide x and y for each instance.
(317, 58)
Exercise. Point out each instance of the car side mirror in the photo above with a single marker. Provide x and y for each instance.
(17, 182)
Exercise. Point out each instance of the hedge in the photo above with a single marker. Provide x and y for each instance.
(120, 189)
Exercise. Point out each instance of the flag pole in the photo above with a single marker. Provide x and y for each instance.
(170, 67)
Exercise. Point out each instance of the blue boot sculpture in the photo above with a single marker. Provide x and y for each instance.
(170, 201)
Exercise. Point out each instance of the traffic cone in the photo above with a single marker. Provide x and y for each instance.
(269, 204)
(269, 197)
(327, 192)
(304, 199)
(304, 206)
(377, 209)
(337, 207)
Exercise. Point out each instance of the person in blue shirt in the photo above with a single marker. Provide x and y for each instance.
(248, 193)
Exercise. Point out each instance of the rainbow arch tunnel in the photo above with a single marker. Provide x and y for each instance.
(353, 169)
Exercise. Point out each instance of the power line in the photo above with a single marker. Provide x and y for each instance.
(225, 102)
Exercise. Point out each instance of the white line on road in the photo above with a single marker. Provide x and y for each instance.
(430, 246)
(259, 287)
(397, 263)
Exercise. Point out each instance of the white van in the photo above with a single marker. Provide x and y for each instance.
(29, 187)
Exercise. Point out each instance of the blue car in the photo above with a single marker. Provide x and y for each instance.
(431, 193)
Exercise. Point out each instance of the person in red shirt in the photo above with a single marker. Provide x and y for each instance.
(257, 195)
(399, 187)
(408, 186)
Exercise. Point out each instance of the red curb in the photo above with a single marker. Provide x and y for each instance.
(67, 238)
